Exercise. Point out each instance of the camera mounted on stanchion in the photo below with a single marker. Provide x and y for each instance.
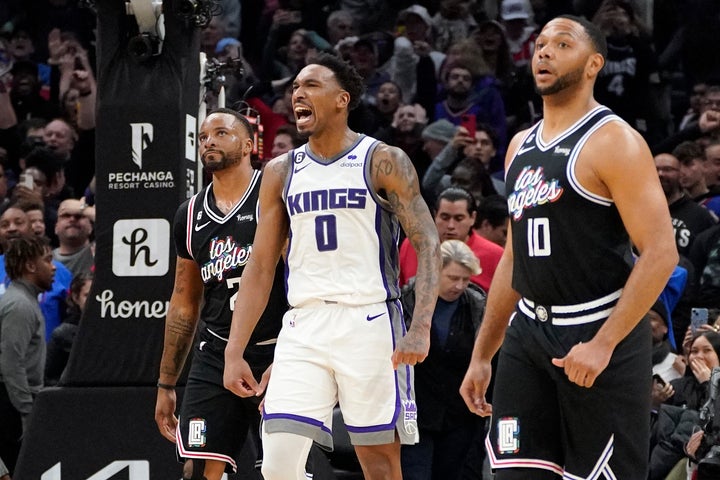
(151, 29)
(197, 12)
(216, 73)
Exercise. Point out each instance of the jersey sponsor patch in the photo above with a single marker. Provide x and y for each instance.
(196, 432)
(508, 430)
(410, 416)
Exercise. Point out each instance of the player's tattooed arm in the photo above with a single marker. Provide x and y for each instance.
(181, 321)
(394, 177)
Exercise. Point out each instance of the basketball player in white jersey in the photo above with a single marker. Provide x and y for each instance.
(338, 200)
(574, 372)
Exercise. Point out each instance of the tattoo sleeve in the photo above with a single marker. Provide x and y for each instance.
(180, 324)
(394, 173)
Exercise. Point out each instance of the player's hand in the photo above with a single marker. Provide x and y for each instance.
(238, 378)
(584, 363)
(165, 413)
(474, 387)
(411, 349)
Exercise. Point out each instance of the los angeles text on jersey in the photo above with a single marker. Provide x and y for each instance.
(332, 198)
(532, 189)
(225, 255)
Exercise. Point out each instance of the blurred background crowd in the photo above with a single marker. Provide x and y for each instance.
(448, 82)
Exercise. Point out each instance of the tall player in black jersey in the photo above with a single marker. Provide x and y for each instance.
(214, 232)
(572, 392)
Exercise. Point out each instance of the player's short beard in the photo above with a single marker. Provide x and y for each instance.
(224, 162)
(563, 82)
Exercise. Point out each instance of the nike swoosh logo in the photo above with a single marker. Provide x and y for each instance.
(526, 149)
(297, 169)
(202, 344)
(200, 227)
(373, 317)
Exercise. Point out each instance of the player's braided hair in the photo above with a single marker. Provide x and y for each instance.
(20, 250)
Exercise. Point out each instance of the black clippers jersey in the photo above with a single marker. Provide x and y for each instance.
(221, 246)
(569, 244)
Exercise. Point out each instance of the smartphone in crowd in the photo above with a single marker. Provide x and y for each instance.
(659, 379)
(698, 316)
(469, 121)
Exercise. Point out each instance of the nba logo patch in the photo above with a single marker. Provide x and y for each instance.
(508, 429)
(196, 432)
(410, 416)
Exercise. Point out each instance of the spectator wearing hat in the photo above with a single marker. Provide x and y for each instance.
(517, 18)
(436, 136)
(414, 62)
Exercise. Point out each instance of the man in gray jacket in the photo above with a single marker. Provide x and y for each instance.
(28, 262)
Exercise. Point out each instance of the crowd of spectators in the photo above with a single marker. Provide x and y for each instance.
(447, 81)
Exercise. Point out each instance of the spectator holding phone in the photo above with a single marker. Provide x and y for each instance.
(474, 152)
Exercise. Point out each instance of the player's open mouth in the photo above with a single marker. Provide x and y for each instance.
(302, 115)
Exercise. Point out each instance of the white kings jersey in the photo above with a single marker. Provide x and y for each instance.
(343, 244)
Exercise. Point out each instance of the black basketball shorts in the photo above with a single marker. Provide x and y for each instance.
(543, 421)
(214, 422)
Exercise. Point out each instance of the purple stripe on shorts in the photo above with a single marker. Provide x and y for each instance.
(296, 418)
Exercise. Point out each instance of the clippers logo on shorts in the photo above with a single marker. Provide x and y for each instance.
(508, 430)
(140, 247)
(410, 416)
(196, 432)
(532, 189)
(225, 255)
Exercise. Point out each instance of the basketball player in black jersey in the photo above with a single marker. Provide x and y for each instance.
(214, 232)
(571, 396)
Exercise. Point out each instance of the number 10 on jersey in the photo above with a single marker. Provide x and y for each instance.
(538, 237)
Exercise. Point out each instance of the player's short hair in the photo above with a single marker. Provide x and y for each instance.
(596, 36)
(457, 251)
(238, 116)
(347, 77)
(20, 250)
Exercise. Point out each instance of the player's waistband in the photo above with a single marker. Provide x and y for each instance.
(567, 315)
(220, 337)
(317, 303)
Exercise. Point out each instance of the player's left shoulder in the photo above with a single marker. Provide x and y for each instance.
(616, 142)
(615, 134)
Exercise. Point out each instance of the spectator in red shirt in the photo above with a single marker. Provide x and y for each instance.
(455, 213)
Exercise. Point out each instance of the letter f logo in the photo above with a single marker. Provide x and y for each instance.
(142, 137)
